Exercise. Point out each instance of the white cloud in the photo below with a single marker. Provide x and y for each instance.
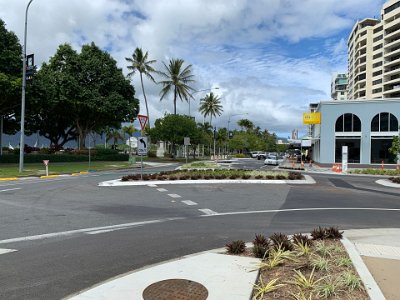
(244, 47)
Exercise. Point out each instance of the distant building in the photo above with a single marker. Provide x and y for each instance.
(374, 56)
(339, 87)
(295, 134)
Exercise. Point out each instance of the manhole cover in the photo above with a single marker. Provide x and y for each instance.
(175, 289)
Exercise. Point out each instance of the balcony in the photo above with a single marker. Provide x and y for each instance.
(392, 43)
(392, 71)
(389, 89)
(395, 33)
(391, 52)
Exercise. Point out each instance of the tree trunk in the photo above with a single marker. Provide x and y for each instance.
(145, 101)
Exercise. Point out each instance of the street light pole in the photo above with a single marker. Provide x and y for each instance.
(22, 141)
(195, 92)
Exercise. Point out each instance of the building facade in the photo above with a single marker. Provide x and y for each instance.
(374, 55)
(367, 127)
(339, 87)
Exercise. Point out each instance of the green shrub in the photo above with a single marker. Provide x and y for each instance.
(240, 155)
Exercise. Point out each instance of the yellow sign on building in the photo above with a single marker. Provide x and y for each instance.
(312, 118)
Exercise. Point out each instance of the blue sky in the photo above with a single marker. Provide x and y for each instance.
(269, 58)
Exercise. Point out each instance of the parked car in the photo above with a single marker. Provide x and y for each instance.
(272, 160)
(261, 155)
(254, 154)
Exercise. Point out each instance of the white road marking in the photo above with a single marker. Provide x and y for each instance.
(208, 212)
(85, 230)
(302, 209)
(174, 196)
(152, 185)
(189, 202)
(162, 190)
(6, 190)
(4, 251)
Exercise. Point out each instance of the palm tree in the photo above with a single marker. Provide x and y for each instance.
(139, 62)
(211, 106)
(178, 79)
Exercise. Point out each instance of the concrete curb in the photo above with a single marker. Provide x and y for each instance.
(387, 182)
(117, 182)
(8, 178)
(371, 286)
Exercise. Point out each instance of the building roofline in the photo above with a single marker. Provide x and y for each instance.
(359, 101)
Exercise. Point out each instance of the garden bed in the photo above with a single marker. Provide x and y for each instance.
(303, 268)
(215, 175)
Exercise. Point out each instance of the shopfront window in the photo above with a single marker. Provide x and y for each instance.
(384, 122)
(348, 123)
(353, 144)
(380, 150)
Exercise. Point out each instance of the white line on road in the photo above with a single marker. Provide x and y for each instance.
(162, 190)
(301, 209)
(208, 212)
(4, 251)
(189, 202)
(9, 190)
(85, 230)
(152, 185)
(174, 196)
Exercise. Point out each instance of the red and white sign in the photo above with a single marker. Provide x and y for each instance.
(46, 162)
(142, 121)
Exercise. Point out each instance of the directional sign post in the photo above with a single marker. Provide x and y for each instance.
(142, 147)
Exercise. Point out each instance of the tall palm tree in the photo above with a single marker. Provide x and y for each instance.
(177, 78)
(211, 106)
(139, 62)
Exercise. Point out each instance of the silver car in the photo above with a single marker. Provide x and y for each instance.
(272, 160)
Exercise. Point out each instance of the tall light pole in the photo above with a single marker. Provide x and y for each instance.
(22, 141)
(229, 121)
(205, 90)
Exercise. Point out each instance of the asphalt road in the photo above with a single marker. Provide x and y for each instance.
(70, 233)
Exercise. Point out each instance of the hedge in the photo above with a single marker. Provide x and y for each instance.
(38, 158)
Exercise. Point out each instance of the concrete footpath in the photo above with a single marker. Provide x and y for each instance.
(374, 252)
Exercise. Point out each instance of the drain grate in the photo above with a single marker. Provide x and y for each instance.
(175, 289)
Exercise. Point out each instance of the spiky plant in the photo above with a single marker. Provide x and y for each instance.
(320, 263)
(303, 282)
(333, 233)
(328, 288)
(318, 233)
(260, 240)
(351, 281)
(322, 249)
(282, 241)
(264, 288)
(343, 261)
(236, 247)
(303, 239)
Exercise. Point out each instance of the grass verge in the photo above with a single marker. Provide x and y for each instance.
(11, 170)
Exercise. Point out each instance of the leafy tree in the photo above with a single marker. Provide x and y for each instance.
(139, 62)
(54, 84)
(211, 106)
(178, 79)
(246, 124)
(10, 77)
(88, 86)
(106, 98)
(173, 128)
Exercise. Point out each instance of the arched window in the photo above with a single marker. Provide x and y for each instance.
(384, 122)
(348, 123)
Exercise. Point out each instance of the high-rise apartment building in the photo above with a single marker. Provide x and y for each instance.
(339, 87)
(374, 56)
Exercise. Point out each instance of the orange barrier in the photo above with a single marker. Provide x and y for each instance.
(337, 168)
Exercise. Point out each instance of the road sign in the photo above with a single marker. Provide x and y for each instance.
(186, 141)
(46, 162)
(142, 145)
(142, 121)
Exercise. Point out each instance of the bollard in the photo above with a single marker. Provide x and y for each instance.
(382, 167)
